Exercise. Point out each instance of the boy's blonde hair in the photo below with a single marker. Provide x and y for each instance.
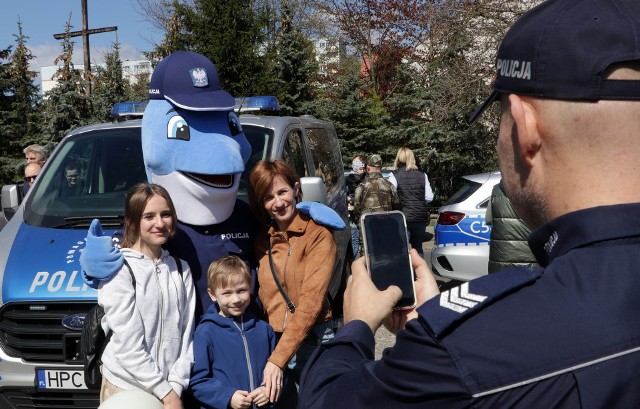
(228, 270)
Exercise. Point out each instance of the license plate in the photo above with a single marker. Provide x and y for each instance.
(59, 379)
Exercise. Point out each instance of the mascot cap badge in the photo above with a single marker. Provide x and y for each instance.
(189, 81)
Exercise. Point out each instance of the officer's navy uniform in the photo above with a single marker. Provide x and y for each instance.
(566, 335)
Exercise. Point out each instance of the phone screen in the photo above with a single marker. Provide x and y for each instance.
(387, 253)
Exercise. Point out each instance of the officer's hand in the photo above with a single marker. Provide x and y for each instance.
(322, 214)
(363, 301)
(100, 259)
(426, 288)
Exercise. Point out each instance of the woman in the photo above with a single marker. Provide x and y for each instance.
(415, 192)
(353, 179)
(149, 308)
(303, 255)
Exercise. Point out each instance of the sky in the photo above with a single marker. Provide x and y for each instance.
(41, 19)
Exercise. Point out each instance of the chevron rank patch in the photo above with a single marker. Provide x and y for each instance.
(455, 305)
(459, 299)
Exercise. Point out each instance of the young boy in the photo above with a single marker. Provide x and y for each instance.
(230, 346)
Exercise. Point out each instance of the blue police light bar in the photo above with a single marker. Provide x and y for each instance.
(125, 110)
(259, 104)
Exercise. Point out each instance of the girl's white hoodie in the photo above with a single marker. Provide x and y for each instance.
(152, 343)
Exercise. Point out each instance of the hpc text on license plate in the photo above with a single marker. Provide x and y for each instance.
(47, 379)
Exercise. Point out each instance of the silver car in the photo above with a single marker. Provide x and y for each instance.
(461, 249)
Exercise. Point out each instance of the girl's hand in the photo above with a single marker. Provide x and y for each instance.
(240, 400)
(171, 401)
(259, 396)
(273, 377)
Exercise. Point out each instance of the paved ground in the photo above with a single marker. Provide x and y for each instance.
(384, 338)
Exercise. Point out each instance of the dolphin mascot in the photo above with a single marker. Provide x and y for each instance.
(193, 145)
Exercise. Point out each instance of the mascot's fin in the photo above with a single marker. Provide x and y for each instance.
(100, 259)
(322, 214)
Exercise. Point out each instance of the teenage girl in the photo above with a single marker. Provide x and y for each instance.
(149, 305)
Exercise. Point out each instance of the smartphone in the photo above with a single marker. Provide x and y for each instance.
(386, 250)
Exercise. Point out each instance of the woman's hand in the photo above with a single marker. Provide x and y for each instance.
(171, 401)
(272, 382)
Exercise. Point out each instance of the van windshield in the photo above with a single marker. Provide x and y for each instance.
(88, 177)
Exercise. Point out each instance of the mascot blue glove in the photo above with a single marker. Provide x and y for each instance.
(322, 214)
(100, 259)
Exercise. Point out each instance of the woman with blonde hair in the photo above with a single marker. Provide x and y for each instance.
(415, 192)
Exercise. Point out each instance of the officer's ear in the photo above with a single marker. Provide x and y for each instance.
(525, 117)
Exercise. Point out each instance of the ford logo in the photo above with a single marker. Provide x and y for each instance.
(74, 322)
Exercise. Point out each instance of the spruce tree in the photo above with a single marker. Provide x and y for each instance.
(295, 67)
(7, 167)
(21, 114)
(230, 34)
(109, 86)
(66, 107)
(138, 89)
(358, 117)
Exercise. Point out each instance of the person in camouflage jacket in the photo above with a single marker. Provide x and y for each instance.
(375, 194)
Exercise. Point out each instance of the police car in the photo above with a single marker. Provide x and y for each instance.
(43, 297)
(461, 249)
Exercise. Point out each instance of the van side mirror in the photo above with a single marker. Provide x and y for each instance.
(11, 198)
(313, 189)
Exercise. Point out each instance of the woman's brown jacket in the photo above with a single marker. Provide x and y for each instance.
(304, 257)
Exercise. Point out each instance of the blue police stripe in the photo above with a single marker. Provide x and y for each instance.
(471, 230)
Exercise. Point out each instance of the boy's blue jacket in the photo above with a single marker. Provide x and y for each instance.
(226, 359)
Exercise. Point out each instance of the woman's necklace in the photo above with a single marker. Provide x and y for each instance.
(292, 245)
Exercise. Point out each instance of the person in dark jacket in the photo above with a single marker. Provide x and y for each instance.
(353, 179)
(31, 171)
(35, 155)
(508, 246)
(565, 335)
(357, 174)
(414, 192)
(230, 346)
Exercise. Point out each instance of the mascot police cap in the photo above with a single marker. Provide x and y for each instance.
(189, 81)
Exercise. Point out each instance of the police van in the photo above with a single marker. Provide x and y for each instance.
(43, 297)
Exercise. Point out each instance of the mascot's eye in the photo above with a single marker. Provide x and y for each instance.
(177, 128)
(234, 124)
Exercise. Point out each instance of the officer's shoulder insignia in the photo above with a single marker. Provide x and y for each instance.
(458, 303)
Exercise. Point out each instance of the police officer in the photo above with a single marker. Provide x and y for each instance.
(375, 194)
(566, 334)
